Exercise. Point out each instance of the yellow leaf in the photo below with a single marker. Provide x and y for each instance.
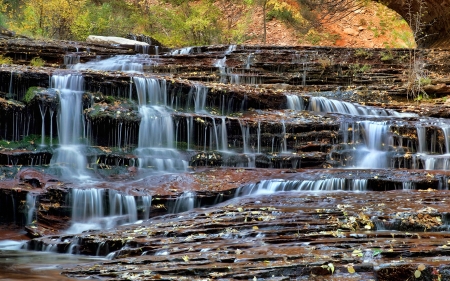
(417, 273)
(331, 267)
(186, 258)
(421, 267)
(351, 269)
(255, 227)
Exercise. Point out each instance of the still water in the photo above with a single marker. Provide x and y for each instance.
(17, 264)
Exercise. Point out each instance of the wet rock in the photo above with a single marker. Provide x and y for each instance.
(34, 178)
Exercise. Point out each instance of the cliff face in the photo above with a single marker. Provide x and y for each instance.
(434, 20)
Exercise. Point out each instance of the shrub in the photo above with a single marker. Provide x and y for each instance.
(37, 61)
(5, 60)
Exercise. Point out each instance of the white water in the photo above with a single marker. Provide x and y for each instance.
(185, 202)
(126, 63)
(156, 144)
(274, 186)
(377, 142)
(70, 156)
(325, 105)
(182, 51)
(96, 208)
(295, 102)
(31, 208)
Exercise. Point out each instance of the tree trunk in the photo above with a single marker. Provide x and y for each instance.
(264, 21)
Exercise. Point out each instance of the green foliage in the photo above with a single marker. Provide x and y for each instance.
(357, 68)
(28, 142)
(281, 14)
(174, 23)
(425, 81)
(386, 56)
(5, 60)
(196, 24)
(109, 99)
(37, 61)
(363, 53)
(29, 95)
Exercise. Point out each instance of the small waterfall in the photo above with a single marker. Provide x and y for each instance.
(322, 104)
(185, 202)
(157, 127)
(377, 140)
(295, 102)
(126, 63)
(200, 94)
(96, 208)
(259, 137)
(182, 51)
(123, 206)
(283, 137)
(446, 130)
(422, 146)
(31, 208)
(223, 134)
(274, 186)
(221, 64)
(249, 60)
(11, 82)
(408, 186)
(305, 70)
(245, 136)
(71, 127)
(151, 91)
(214, 136)
(156, 131)
(43, 110)
(71, 59)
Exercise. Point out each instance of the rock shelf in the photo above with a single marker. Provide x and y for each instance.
(227, 162)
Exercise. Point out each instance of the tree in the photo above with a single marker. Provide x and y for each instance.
(50, 18)
(333, 10)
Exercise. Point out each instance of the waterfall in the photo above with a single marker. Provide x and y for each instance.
(283, 137)
(322, 104)
(277, 185)
(223, 134)
(185, 202)
(42, 110)
(182, 51)
(378, 141)
(200, 94)
(31, 208)
(151, 91)
(125, 63)
(96, 208)
(197, 95)
(156, 131)
(294, 102)
(69, 156)
(245, 136)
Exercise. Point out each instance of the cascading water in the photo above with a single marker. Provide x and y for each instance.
(274, 186)
(96, 208)
(378, 141)
(117, 63)
(31, 208)
(156, 145)
(185, 202)
(69, 157)
(295, 102)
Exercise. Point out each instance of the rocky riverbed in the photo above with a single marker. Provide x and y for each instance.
(227, 162)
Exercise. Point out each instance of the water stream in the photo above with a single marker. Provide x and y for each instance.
(175, 127)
